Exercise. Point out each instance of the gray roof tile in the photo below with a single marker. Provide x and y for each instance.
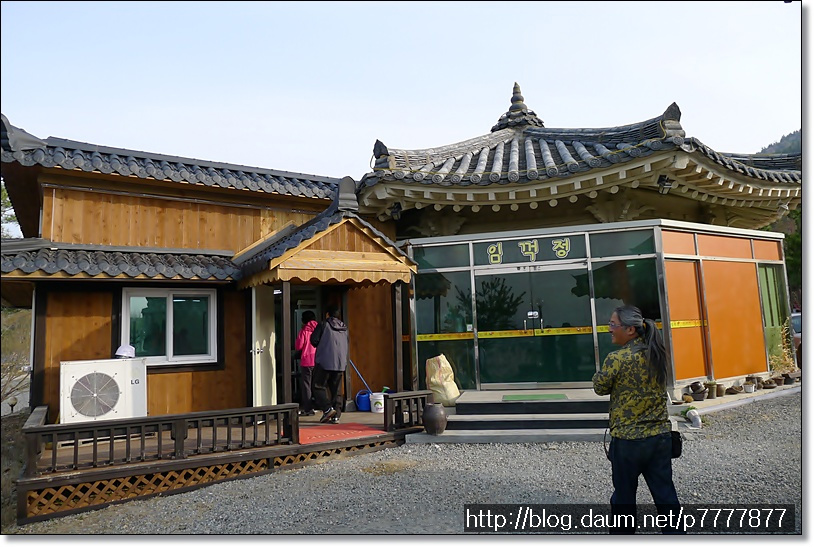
(26, 149)
(33, 255)
(520, 149)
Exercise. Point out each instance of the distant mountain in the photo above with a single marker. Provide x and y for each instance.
(789, 144)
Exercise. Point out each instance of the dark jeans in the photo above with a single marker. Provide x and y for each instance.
(649, 457)
(326, 389)
(306, 376)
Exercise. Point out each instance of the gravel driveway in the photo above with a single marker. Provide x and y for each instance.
(422, 489)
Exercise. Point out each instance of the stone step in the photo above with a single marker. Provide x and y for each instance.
(527, 421)
(509, 436)
(567, 406)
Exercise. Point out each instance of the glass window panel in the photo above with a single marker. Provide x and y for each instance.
(562, 358)
(148, 325)
(622, 243)
(626, 282)
(775, 311)
(531, 249)
(443, 302)
(190, 330)
(446, 256)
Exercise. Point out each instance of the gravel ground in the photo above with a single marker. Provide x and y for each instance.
(422, 489)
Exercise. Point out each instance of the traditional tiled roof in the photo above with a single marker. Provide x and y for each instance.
(26, 149)
(520, 150)
(41, 255)
(774, 167)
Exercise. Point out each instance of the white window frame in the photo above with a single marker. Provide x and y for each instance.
(169, 359)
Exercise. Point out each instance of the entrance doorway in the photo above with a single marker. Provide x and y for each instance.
(533, 326)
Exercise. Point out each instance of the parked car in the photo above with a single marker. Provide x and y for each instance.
(797, 332)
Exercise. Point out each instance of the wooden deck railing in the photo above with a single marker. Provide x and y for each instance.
(405, 410)
(88, 445)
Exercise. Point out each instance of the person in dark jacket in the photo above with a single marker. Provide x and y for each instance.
(331, 359)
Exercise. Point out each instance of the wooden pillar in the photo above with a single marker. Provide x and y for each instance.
(286, 318)
(398, 358)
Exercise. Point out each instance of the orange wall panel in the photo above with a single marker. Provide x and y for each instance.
(767, 250)
(735, 320)
(684, 301)
(682, 290)
(680, 243)
(724, 246)
(689, 356)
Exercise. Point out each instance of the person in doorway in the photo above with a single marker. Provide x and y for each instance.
(635, 377)
(331, 359)
(303, 346)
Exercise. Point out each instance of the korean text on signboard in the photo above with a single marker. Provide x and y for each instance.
(519, 251)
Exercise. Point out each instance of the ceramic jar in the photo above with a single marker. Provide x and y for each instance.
(435, 418)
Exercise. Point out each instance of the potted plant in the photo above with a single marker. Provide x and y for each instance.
(711, 389)
(749, 386)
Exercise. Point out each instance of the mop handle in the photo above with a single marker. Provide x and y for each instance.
(360, 376)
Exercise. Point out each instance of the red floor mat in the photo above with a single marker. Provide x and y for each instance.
(336, 432)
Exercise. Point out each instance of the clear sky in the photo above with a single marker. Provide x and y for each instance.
(308, 87)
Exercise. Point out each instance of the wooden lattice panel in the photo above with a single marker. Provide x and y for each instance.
(95, 494)
(90, 494)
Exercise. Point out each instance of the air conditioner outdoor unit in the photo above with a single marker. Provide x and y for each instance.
(102, 389)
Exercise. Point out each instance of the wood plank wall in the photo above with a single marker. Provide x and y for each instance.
(180, 392)
(78, 216)
(370, 325)
(78, 327)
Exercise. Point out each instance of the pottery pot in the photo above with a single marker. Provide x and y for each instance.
(788, 380)
(699, 395)
(721, 389)
(712, 392)
(695, 387)
(435, 418)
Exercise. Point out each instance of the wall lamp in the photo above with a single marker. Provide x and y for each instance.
(665, 184)
(395, 211)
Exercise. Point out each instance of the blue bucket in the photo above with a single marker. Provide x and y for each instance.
(363, 401)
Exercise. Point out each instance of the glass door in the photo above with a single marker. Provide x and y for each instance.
(534, 326)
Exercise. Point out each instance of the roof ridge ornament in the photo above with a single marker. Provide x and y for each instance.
(671, 125)
(346, 195)
(518, 114)
(15, 139)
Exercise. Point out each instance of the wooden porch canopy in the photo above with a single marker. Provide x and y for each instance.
(336, 246)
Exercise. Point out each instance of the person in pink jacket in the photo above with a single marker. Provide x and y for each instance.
(307, 352)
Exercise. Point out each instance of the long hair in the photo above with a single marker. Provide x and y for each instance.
(655, 353)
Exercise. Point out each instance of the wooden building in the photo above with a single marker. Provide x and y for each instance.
(193, 263)
(528, 236)
(111, 234)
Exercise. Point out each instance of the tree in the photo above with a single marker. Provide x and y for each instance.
(792, 224)
(6, 210)
(15, 336)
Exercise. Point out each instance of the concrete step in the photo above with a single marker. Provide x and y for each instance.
(595, 420)
(509, 436)
(566, 406)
